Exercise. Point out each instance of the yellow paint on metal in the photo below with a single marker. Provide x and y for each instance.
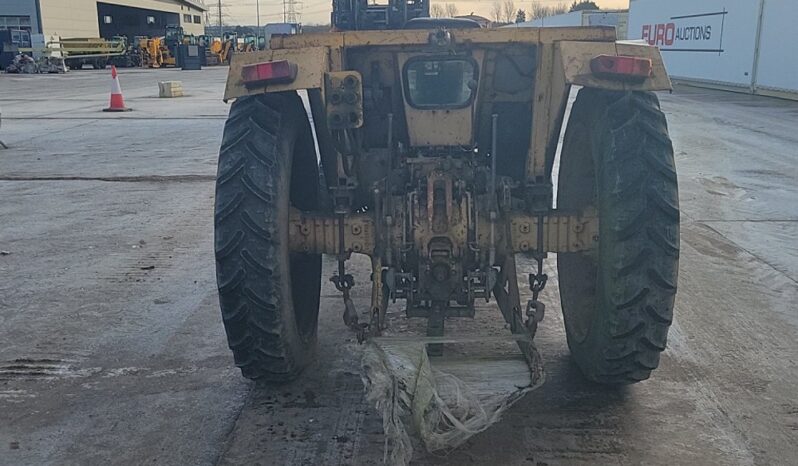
(562, 232)
(311, 66)
(400, 38)
(575, 59)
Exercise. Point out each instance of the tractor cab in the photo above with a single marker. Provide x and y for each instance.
(173, 35)
(351, 15)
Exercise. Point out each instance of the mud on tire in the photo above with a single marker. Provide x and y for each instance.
(618, 301)
(269, 297)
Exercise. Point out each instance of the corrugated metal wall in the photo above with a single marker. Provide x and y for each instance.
(746, 45)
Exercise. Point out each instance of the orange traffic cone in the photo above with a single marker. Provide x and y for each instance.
(117, 101)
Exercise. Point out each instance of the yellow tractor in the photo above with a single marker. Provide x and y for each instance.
(438, 150)
(252, 43)
(225, 48)
(162, 51)
(151, 51)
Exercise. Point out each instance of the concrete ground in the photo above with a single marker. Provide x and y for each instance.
(112, 348)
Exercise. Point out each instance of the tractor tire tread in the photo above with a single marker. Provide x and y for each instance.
(248, 265)
(643, 246)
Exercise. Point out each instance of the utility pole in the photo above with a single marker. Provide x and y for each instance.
(221, 31)
(289, 11)
(257, 10)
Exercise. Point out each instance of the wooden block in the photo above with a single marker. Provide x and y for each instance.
(170, 89)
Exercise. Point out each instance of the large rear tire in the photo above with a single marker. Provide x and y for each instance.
(618, 301)
(269, 297)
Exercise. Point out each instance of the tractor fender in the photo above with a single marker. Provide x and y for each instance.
(573, 59)
(311, 63)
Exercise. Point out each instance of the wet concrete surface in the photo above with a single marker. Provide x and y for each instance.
(112, 348)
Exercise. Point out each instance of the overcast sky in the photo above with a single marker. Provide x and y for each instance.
(318, 11)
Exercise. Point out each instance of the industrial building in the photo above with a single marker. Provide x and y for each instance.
(739, 45)
(50, 19)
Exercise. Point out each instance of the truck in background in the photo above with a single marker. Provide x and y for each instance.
(281, 28)
(616, 18)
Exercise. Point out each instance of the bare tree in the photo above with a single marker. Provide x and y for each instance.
(437, 11)
(451, 10)
(496, 11)
(520, 17)
(508, 11)
(538, 10)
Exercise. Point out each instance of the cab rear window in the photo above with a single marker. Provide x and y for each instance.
(440, 82)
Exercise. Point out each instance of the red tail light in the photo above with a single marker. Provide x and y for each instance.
(281, 71)
(621, 67)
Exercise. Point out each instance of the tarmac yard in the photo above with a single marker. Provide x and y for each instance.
(112, 348)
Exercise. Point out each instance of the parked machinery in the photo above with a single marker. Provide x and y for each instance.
(93, 51)
(162, 51)
(225, 48)
(11, 41)
(350, 15)
(206, 42)
(133, 56)
(174, 36)
(152, 52)
(251, 43)
(437, 144)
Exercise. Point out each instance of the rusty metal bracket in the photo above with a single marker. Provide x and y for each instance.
(319, 233)
(343, 234)
(561, 232)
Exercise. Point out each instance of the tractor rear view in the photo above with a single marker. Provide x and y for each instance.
(437, 151)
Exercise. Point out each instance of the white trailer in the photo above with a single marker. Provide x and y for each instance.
(742, 45)
(618, 19)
